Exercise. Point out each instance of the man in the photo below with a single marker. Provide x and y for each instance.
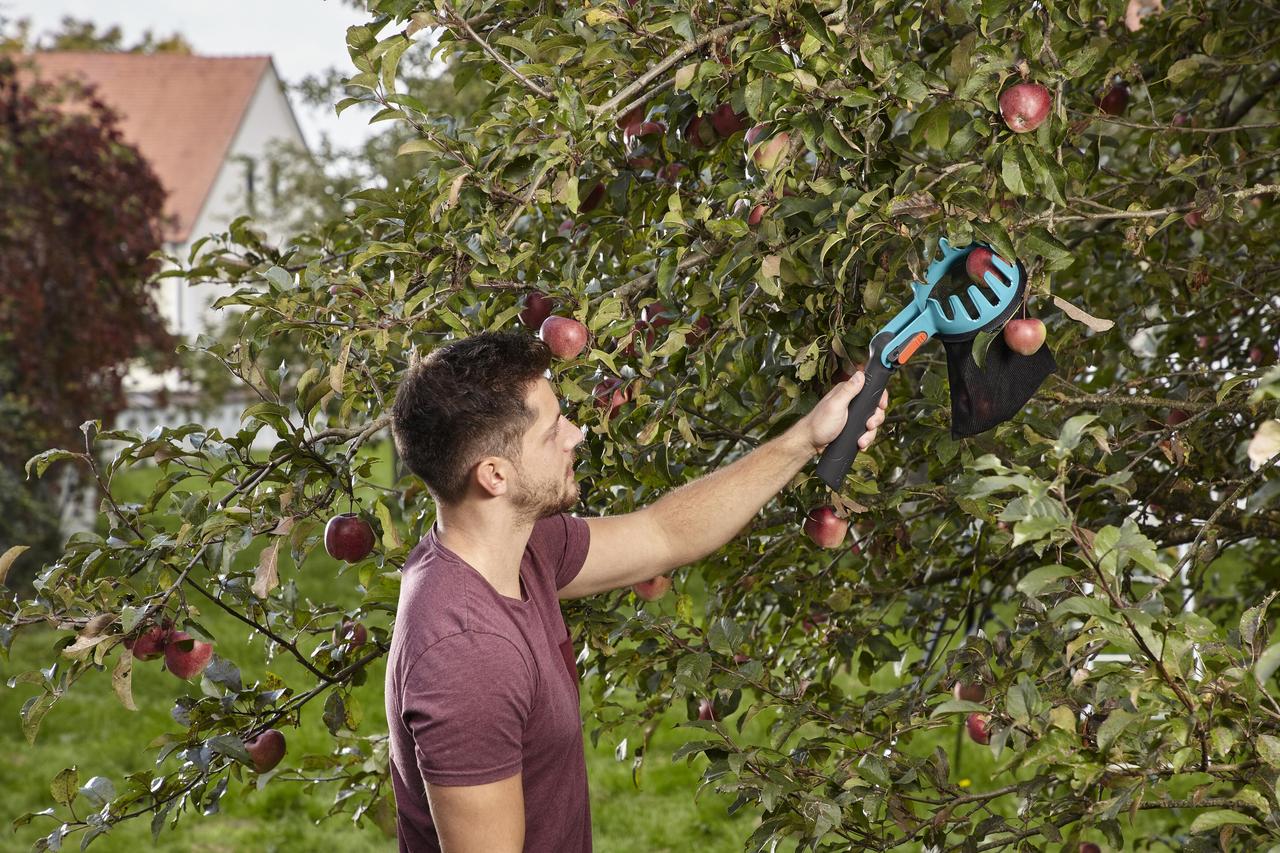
(482, 704)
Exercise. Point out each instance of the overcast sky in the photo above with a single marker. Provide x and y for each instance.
(302, 36)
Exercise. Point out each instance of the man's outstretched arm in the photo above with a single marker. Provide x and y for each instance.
(699, 518)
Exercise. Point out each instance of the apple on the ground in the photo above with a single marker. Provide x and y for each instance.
(266, 749)
(565, 336)
(1024, 106)
(824, 527)
(186, 656)
(348, 537)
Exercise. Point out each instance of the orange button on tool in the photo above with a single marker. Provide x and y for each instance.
(912, 345)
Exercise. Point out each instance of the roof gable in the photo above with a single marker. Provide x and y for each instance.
(182, 112)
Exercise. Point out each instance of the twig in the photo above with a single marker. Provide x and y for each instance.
(455, 18)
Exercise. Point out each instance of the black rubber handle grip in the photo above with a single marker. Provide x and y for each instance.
(838, 456)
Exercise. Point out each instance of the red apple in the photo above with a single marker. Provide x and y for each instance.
(149, 644)
(642, 163)
(1024, 106)
(185, 656)
(969, 692)
(1088, 847)
(741, 658)
(656, 315)
(1175, 417)
(634, 116)
(756, 215)
(769, 155)
(537, 306)
(824, 527)
(266, 749)
(1115, 100)
(592, 200)
(348, 537)
(706, 711)
(700, 328)
(1194, 219)
(652, 590)
(1260, 356)
(611, 392)
(642, 129)
(726, 121)
(351, 634)
(1205, 341)
(565, 336)
(812, 621)
(977, 726)
(699, 133)
(1024, 335)
(979, 263)
(670, 172)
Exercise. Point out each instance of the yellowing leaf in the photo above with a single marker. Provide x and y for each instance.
(684, 76)
(1082, 316)
(265, 578)
(7, 559)
(122, 680)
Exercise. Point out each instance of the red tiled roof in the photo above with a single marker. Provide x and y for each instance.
(180, 111)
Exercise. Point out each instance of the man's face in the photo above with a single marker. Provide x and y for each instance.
(547, 485)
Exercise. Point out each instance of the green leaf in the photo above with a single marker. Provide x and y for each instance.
(1081, 606)
(65, 786)
(1011, 172)
(1220, 817)
(958, 706)
(1185, 69)
(1269, 749)
(1267, 663)
(1034, 581)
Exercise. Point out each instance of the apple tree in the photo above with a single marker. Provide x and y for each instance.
(1056, 633)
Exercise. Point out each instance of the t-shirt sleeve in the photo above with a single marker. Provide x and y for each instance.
(566, 542)
(466, 701)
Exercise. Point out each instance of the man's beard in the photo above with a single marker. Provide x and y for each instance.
(543, 499)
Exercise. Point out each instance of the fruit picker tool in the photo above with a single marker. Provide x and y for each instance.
(981, 396)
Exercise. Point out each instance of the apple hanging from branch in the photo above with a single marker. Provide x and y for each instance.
(348, 537)
(538, 306)
(824, 527)
(976, 725)
(1025, 335)
(564, 336)
(186, 656)
(653, 589)
(1024, 106)
(266, 749)
(150, 643)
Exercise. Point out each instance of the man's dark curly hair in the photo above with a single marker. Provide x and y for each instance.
(463, 402)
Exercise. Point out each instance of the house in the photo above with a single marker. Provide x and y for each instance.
(206, 125)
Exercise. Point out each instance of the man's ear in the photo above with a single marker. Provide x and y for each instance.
(494, 475)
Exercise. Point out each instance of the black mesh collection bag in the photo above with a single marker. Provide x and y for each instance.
(982, 397)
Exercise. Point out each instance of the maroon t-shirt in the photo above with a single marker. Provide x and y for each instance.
(481, 687)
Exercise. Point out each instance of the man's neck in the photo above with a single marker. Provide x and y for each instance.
(494, 550)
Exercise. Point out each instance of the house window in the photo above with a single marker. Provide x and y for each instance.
(249, 165)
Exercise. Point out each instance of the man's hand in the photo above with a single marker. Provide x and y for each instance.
(825, 423)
